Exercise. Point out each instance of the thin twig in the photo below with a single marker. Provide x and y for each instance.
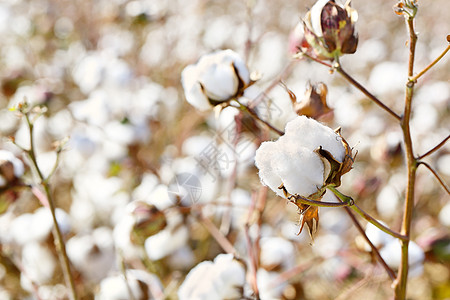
(217, 235)
(337, 66)
(59, 241)
(252, 112)
(441, 181)
(299, 199)
(375, 251)
(301, 54)
(365, 215)
(435, 148)
(414, 79)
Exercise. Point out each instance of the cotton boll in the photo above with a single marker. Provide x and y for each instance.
(312, 134)
(268, 287)
(276, 251)
(38, 263)
(139, 283)
(214, 79)
(122, 238)
(387, 77)
(166, 242)
(221, 279)
(388, 201)
(328, 245)
(391, 253)
(376, 236)
(263, 161)
(93, 255)
(444, 215)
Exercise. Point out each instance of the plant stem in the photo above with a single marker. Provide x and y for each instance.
(366, 216)
(337, 66)
(441, 181)
(375, 251)
(402, 278)
(435, 148)
(252, 112)
(59, 241)
(414, 79)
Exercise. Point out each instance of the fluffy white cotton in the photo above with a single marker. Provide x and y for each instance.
(221, 279)
(168, 240)
(93, 254)
(38, 263)
(216, 77)
(139, 283)
(291, 159)
(276, 251)
(377, 237)
(269, 288)
(391, 253)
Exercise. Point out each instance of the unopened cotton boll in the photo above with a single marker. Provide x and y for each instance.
(223, 278)
(217, 77)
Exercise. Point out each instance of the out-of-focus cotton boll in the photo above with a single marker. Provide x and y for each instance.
(168, 240)
(391, 253)
(122, 238)
(271, 54)
(376, 236)
(444, 215)
(35, 227)
(183, 258)
(11, 167)
(387, 77)
(443, 164)
(148, 183)
(328, 245)
(269, 288)
(223, 278)
(276, 252)
(32, 94)
(95, 110)
(388, 201)
(140, 283)
(38, 263)
(93, 254)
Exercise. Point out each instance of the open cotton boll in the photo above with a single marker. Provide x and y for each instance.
(292, 160)
(217, 77)
(221, 279)
(311, 134)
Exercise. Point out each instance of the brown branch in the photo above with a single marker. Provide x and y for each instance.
(435, 148)
(441, 181)
(356, 84)
(375, 251)
(414, 79)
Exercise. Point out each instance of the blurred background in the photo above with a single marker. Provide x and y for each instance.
(108, 72)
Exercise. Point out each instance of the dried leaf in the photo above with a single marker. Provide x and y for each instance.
(314, 103)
